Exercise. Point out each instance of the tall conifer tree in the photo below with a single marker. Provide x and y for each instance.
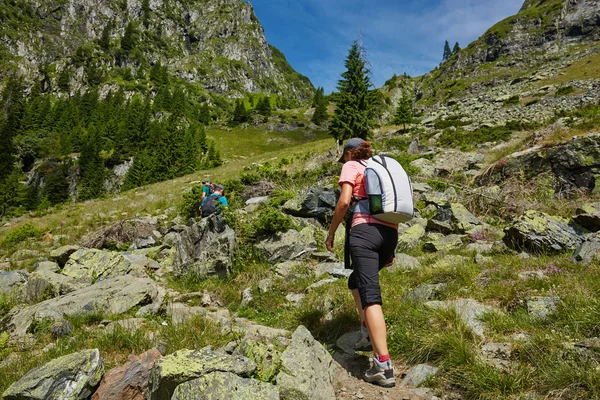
(456, 48)
(353, 116)
(447, 51)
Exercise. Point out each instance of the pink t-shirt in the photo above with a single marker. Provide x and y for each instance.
(352, 173)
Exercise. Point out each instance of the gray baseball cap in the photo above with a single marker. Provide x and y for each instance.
(351, 144)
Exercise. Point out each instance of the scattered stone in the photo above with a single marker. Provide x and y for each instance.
(265, 285)
(526, 275)
(468, 310)
(315, 203)
(180, 312)
(62, 329)
(288, 269)
(322, 282)
(540, 307)
(404, 262)
(185, 365)
(307, 369)
(451, 261)
(295, 298)
(347, 341)
(418, 374)
(445, 243)
(589, 250)
(257, 200)
(11, 280)
(328, 268)
(73, 376)
(225, 385)
(246, 297)
(324, 256)
(128, 381)
(412, 237)
(498, 355)
(482, 260)
(288, 245)
(425, 292)
(91, 265)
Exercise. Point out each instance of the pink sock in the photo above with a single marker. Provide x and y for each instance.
(383, 358)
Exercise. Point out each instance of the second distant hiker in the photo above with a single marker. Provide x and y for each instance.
(214, 202)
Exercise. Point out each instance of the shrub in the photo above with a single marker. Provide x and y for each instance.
(512, 101)
(21, 233)
(565, 90)
(454, 121)
(189, 205)
(467, 140)
(269, 221)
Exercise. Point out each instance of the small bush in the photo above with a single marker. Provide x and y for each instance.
(189, 205)
(454, 121)
(21, 233)
(565, 90)
(512, 101)
(269, 221)
(467, 140)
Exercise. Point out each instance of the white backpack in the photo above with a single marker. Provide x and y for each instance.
(389, 190)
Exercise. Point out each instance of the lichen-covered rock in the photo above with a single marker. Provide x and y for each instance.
(452, 218)
(62, 254)
(411, 238)
(588, 216)
(43, 285)
(225, 386)
(307, 369)
(424, 292)
(404, 262)
(315, 203)
(70, 377)
(186, 365)
(589, 250)
(444, 243)
(92, 265)
(540, 307)
(265, 355)
(538, 232)
(205, 249)
(12, 280)
(128, 381)
(114, 295)
(290, 244)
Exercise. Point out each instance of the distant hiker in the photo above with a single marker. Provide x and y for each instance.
(207, 189)
(214, 202)
(372, 245)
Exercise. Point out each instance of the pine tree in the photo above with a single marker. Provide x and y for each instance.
(142, 171)
(91, 168)
(104, 41)
(129, 38)
(354, 114)
(456, 48)
(202, 141)
(404, 112)
(146, 13)
(240, 114)
(320, 114)
(64, 80)
(264, 106)
(447, 52)
(204, 114)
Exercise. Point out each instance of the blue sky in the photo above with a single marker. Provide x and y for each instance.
(399, 35)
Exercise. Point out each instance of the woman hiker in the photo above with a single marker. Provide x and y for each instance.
(372, 247)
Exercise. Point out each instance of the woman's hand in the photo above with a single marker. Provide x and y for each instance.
(329, 242)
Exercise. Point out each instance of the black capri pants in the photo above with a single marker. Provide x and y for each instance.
(372, 246)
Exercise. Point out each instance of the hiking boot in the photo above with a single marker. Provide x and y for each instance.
(381, 373)
(364, 344)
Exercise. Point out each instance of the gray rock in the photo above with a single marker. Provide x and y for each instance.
(186, 365)
(73, 376)
(295, 298)
(452, 218)
(588, 250)
(12, 280)
(411, 238)
(540, 307)
(257, 200)
(315, 203)
(329, 268)
(180, 312)
(115, 295)
(404, 262)
(62, 329)
(307, 371)
(246, 297)
(46, 266)
(289, 245)
(288, 268)
(323, 282)
(468, 310)
(121, 232)
(62, 254)
(225, 386)
(444, 243)
(204, 249)
(91, 265)
(347, 341)
(43, 285)
(265, 285)
(536, 274)
(424, 292)
(418, 374)
(540, 233)
(450, 260)
(129, 324)
(590, 222)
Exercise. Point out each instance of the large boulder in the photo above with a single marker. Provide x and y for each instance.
(589, 250)
(73, 376)
(186, 365)
(307, 369)
(225, 386)
(205, 249)
(538, 232)
(123, 232)
(468, 310)
(115, 296)
(62, 254)
(128, 381)
(91, 265)
(411, 237)
(315, 203)
(289, 245)
(588, 216)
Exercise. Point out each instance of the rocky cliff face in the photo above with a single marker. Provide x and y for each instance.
(217, 44)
